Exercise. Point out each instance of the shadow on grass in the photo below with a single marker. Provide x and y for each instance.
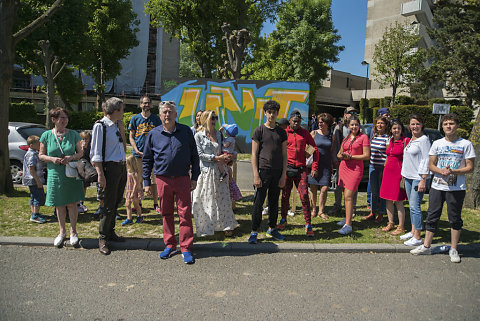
(19, 193)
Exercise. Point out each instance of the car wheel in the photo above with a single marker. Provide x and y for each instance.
(16, 170)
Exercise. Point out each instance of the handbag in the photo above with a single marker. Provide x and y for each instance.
(71, 167)
(309, 150)
(86, 171)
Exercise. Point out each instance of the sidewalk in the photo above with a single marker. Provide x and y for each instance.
(237, 247)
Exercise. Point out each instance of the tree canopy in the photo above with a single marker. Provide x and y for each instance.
(198, 24)
(302, 46)
(396, 57)
(110, 36)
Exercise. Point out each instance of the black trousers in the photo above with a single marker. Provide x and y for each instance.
(116, 178)
(270, 178)
(454, 200)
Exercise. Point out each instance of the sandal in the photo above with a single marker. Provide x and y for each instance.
(324, 216)
(390, 226)
(314, 214)
(398, 231)
(369, 217)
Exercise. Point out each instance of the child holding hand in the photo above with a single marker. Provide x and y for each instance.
(133, 192)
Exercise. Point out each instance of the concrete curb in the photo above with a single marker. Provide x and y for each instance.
(236, 247)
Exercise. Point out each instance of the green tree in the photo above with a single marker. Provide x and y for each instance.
(198, 24)
(110, 36)
(301, 47)
(397, 58)
(9, 38)
(188, 66)
(51, 47)
(455, 62)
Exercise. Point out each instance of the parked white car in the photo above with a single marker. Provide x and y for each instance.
(17, 145)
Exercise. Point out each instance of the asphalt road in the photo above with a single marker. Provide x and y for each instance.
(40, 283)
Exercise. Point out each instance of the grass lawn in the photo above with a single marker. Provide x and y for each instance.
(15, 214)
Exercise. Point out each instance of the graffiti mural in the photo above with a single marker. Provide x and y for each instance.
(238, 101)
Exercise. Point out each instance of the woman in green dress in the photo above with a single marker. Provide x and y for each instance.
(58, 147)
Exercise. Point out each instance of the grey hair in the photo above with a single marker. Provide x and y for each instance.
(113, 104)
(164, 104)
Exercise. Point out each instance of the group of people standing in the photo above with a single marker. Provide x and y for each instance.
(175, 163)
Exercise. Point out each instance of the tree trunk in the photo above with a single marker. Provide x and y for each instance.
(8, 13)
(472, 199)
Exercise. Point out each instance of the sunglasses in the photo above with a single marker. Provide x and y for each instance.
(352, 113)
(167, 102)
(214, 117)
(120, 139)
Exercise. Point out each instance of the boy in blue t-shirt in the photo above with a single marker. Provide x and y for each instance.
(33, 178)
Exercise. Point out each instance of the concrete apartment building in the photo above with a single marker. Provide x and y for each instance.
(342, 89)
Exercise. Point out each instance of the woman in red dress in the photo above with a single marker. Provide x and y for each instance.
(354, 149)
(390, 189)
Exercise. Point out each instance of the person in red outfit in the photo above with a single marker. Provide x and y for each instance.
(297, 140)
(355, 148)
(390, 189)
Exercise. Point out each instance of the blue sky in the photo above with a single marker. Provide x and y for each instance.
(350, 19)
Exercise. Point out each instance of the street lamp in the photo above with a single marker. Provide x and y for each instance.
(366, 89)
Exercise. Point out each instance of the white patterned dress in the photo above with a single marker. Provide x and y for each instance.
(212, 206)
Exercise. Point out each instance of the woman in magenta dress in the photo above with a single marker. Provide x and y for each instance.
(390, 189)
(354, 149)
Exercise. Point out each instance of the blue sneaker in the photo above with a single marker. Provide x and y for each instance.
(253, 238)
(127, 222)
(139, 219)
(37, 219)
(98, 211)
(273, 233)
(188, 258)
(309, 230)
(168, 253)
(282, 225)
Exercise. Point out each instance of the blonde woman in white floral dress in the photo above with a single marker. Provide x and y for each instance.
(212, 206)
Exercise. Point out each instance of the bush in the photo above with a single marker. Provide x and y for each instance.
(373, 102)
(404, 100)
(387, 100)
(23, 112)
(462, 133)
(465, 114)
(126, 120)
(82, 120)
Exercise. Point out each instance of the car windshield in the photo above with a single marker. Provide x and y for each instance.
(29, 131)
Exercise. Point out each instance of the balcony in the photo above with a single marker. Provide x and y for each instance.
(421, 10)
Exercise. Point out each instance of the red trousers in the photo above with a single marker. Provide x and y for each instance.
(301, 182)
(178, 187)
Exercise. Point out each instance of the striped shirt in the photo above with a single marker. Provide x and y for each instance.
(378, 150)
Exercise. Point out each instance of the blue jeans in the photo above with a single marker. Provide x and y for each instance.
(37, 196)
(369, 193)
(414, 202)
(375, 179)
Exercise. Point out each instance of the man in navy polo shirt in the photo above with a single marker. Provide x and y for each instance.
(169, 151)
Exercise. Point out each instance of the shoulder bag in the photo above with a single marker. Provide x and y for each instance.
(71, 167)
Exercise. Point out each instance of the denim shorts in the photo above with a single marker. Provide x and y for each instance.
(37, 196)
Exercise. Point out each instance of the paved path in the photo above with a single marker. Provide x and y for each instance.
(40, 283)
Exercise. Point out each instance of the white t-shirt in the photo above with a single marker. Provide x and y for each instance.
(451, 154)
(415, 158)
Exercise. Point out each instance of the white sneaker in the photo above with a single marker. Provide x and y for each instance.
(421, 250)
(454, 257)
(82, 208)
(265, 211)
(59, 240)
(73, 239)
(345, 230)
(413, 242)
(291, 213)
(342, 222)
(407, 236)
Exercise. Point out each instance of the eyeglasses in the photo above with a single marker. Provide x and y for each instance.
(120, 139)
(167, 102)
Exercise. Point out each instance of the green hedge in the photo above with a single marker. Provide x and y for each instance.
(22, 112)
(465, 115)
(83, 119)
